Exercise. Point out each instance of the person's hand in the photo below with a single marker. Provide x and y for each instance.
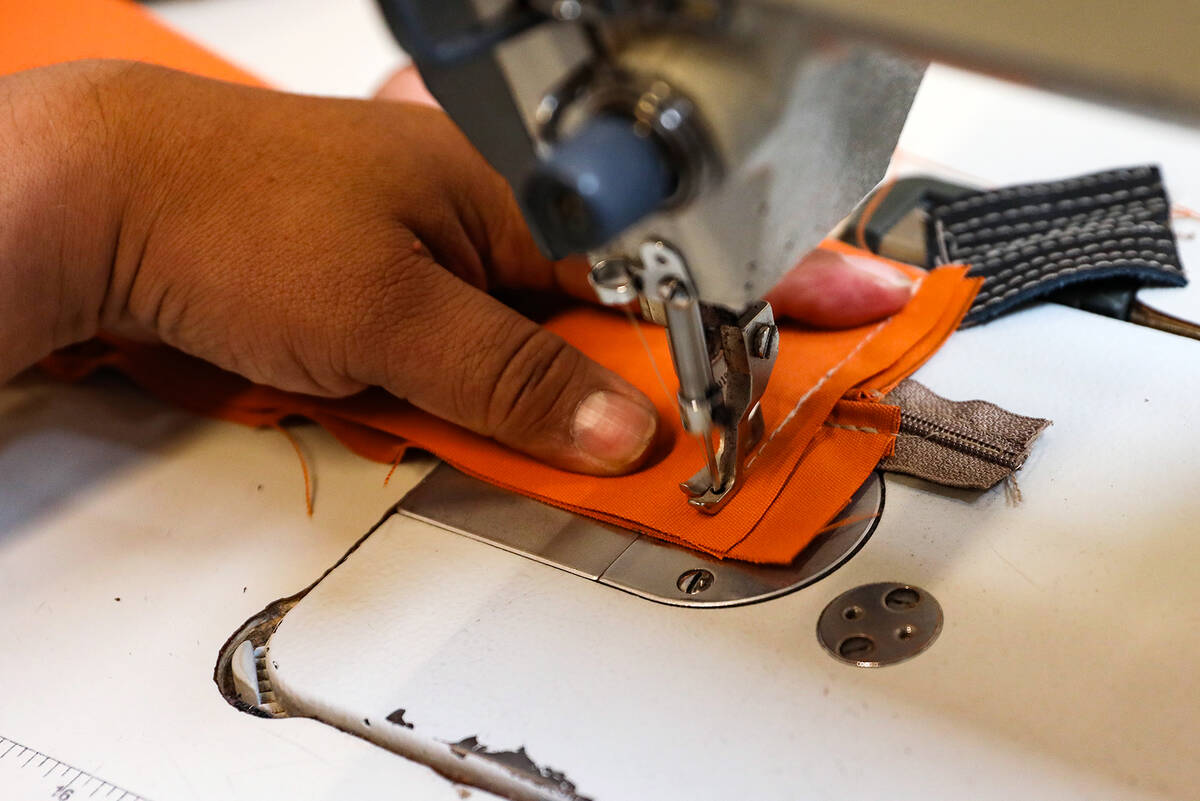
(324, 246)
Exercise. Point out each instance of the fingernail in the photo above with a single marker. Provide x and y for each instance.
(612, 428)
(879, 273)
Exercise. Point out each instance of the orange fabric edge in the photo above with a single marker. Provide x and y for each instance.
(37, 33)
(109, 28)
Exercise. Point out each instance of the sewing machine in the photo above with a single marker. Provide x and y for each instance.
(696, 150)
(1064, 666)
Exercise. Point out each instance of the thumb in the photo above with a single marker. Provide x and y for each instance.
(467, 358)
(832, 290)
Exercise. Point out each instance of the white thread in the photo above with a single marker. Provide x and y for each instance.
(832, 371)
(867, 429)
(1026, 285)
(650, 354)
(1035, 280)
(990, 294)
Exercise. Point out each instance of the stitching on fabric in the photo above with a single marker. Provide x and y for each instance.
(1004, 278)
(1089, 261)
(1035, 280)
(824, 379)
(1100, 181)
(866, 429)
(1094, 224)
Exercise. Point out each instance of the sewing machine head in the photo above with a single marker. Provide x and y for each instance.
(694, 150)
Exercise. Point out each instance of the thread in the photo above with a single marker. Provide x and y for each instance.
(1182, 212)
(637, 327)
(864, 429)
(395, 464)
(308, 493)
(836, 524)
(828, 375)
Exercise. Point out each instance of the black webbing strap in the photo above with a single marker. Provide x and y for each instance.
(1031, 241)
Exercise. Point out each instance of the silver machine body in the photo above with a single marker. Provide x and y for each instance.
(674, 144)
(695, 150)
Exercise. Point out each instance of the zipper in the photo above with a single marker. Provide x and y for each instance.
(960, 440)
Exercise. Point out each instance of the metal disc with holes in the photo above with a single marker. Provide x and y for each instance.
(879, 624)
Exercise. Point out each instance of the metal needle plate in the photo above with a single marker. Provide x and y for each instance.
(879, 624)
(641, 565)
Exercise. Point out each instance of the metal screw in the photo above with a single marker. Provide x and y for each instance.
(567, 10)
(613, 282)
(672, 291)
(764, 340)
(855, 648)
(670, 119)
(902, 598)
(694, 581)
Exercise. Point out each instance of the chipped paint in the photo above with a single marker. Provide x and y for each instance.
(397, 717)
(519, 762)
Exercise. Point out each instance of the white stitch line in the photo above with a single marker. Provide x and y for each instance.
(1036, 280)
(1091, 229)
(824, 379)
(1021, 287)
(1089, 263)
(867, 429)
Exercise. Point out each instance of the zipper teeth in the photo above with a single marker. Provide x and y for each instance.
(958, 440)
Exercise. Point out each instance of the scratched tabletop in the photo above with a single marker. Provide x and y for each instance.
(135, 538)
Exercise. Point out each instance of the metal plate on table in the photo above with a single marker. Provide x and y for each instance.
(644, 566)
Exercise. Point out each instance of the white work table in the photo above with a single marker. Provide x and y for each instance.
(197, 525)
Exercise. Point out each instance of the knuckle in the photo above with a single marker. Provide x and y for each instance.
(526, 389)
(378, 311)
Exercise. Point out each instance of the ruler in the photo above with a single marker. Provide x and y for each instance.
(27, 774)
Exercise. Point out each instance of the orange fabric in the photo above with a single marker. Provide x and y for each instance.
(36, 33)
(818, 448)
(826, 430)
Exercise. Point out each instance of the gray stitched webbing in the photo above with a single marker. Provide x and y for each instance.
(1030, 241)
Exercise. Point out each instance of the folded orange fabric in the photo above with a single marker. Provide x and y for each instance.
(826, 430)
(36, 33)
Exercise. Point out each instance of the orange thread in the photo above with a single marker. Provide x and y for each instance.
(308, 494)
(1178, 210)
(860, 230)
(395, 464)
(848, 522)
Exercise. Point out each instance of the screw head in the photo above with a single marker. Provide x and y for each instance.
(613, 282)
(856, 648)
(764, 340)
(902, 598)
(696, 580)
(673, 292)
(567, 10)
